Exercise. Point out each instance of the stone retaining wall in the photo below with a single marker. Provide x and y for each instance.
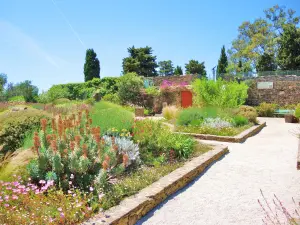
(175, 79)
(135, 207)
(235, 139)
(286, 90)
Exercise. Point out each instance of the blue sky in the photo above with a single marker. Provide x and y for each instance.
(39, 43)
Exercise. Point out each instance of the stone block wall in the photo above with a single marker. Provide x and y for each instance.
(286, 90)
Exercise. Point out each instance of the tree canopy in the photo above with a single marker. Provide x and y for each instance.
(166, 68)
(140, 61)
(91, 65)
(178, 71)
(289, 48)
(194, 67)
(262, 36)
(222, 63)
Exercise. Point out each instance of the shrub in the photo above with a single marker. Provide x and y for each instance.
(17, 99)
(90, 101)
(297, 111)
(114, 98)
(61, 101)
(248, 112)
(16, 125)
(266, 109)
(74, 148)
(170, 112)
(153, 91)
(130, 88)
(219, 93)
(217, 123)
(195, 116)
(23, 203)
(108, 115)
(157, 141)
(56, 92)
(239, 121)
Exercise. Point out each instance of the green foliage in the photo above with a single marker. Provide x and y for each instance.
(262, 36)
(25, 89)
(195, 116)
(91, 65)
(17, 99)
(266, 62)
(155, 140)
(297, 111)
(43, 204)
(3, 81)
(140, 61)
(266, 109)
(222, 63)
(16, 125)
(108, 115)
(55, 92)
(90, 101)
(219, 93)
(239, 121)
(194, 67)
(178, 71)
(226, 131)
(74, 91)
(289, 50)
(114, 98)
(170, 112)
(248, 112)
(130, 86)
(166, 68)
(61, 101)
(153, 91)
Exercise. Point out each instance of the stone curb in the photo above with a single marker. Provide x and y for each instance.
(298, 158)
(236, 139)
(131, 209)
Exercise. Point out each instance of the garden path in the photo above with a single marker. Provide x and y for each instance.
(227, 192)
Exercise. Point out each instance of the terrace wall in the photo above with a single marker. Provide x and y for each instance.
(174, 79)
(285, 90)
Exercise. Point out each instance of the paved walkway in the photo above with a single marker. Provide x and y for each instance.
(227, 192)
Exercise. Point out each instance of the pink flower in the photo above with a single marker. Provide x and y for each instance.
(14, 197)
(6, 197)
(42, 182)
(59, 209)
(62, 215)
(89, 208)
(91, 189)
(6, 205)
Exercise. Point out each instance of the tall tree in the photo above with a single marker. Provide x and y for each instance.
(289, 48)
(194, 67)
(25, 88)
(140, 61)
(166, 68)
(91, 65)
(178, 71)
(260, 36)
(3, 81)
(266, 62)
(222, 63)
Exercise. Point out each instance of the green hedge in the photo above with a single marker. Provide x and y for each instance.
(73, 91)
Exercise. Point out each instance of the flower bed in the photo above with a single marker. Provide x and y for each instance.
(80, 168)
(213, 121)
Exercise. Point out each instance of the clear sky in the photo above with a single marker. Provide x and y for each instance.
(45, 40)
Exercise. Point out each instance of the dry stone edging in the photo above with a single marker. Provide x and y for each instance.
(131, 209)
(235, 139)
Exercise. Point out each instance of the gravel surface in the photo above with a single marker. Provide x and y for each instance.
(227, 192)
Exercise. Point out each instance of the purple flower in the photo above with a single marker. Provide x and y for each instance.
(62, 215)
(6, 205)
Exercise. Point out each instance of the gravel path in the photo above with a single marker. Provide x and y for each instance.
(227, 192)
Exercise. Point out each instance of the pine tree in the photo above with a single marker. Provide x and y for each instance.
(91, 65)
(222, 63)
(178, 71)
